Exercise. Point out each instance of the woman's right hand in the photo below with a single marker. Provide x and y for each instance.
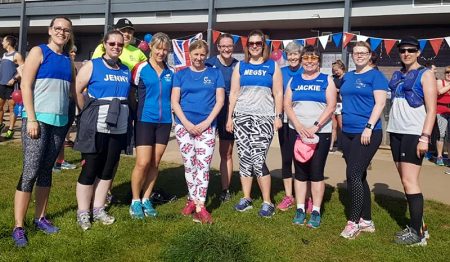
(33, 129)
(229, 125)
(192, 129)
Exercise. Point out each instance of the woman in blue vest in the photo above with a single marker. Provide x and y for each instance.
(197, 98)
(411, 121)
(255, 112)
(309, 102)
(47, 80)
(153, 81)
(102, 127)
(363, 93)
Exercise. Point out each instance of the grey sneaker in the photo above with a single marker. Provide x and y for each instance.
(225, 196)
(410, 238)
(102, 216)
(84, 220)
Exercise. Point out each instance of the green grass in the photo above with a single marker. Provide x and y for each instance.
(233, 237)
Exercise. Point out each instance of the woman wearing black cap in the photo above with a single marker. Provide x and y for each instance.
(411, 121)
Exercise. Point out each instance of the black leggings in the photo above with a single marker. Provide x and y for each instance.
(102, 164)
(357, 158)
(287, 150)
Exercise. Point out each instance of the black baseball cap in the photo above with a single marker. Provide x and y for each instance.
(124, 23)
(409, 40)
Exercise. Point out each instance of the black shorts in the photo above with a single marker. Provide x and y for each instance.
(404, 148)
(6, 92)
(222, 123)
(313, 170)
(149, 134)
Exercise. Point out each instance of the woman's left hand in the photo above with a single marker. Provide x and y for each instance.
(201, 127)
(311, 131)
(422, 148)
(365, 136)
(277, 124)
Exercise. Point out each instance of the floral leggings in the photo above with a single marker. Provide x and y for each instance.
(197, 153)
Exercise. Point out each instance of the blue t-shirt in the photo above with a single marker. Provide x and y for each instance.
(287, 74)
(358, 99)
(313, 90)
(198, 93)
(227, 71)
(153, 93)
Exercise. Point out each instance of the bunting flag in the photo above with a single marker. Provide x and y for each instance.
(447, 39)
(300, 42)
(374, 43)
(347, 38)
(436, 44)
(276, 44)
(236, 38)
(361, 38)
(324, 40)
(388, 44)
(311, 41)
(337, 39)
(216, 35)
(244, 40)
(269, 43)
(422, 44)
(286, 42)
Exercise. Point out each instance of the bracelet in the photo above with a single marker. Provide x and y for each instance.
(426, 135)
(317, 124)
(31, 120)
(424, 141)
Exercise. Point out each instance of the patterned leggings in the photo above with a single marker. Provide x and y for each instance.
(39, 155)
(253, 136)
(197, 153)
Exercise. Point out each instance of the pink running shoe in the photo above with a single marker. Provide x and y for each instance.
(286, 203)
(351, 230)
(189, 208)
(309, 206)
(366, 227)
(203, 216)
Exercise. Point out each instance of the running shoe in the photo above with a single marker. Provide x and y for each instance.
(189, 208)
(69, 143)
(136, 210)
(149, 211)
(67, 166)
(203, 216)
(159, 197)
(286, 203)
(409, 237)
(447, 172)
(102, 216)
(299, 218)
(425, 232)
(20, 237)
(309, 205)
(351, 230)
(2, 125)
(243, 205)
(440, 161)
(314, 220)
(428, 155)
(364, 226)
(56, 168)
(84, 220)
(9, 134)
(225, 196)
(45, 225)
(267, 210)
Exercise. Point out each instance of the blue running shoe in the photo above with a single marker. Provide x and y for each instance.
(299, 218)
(267, 210)
(136, 211)
(149, 211)
(314, 220)
(45, 225)
(440, 161)
(19, 237)
(244, 205)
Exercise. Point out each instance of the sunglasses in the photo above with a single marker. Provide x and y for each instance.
(257, 44)
(310, 58)
(409, 50)
(112, 44)
(447, 72)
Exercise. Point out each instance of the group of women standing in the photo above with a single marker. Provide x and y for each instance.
(252, 99)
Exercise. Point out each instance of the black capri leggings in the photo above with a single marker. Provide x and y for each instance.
(285, 138)
(358, 157)
(102, 164)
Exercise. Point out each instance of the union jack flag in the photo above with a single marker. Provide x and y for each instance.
(208, 159)
(211, 142)
(203, 191)
(193, 160)
(200, 165)
(181, 132)
(186, 148)
(200, 151)
(181, 51)
(206, 176)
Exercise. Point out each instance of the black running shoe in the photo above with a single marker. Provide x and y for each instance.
(159, 197)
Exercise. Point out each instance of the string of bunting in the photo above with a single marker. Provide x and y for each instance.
(342, 37)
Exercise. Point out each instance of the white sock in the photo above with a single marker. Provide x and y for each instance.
(301, 206)
(316, 208)
(135, 200)
(367, 221)
(268, 203)
(145, 199)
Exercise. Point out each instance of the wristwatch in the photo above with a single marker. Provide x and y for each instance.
(369, 126)
(280, 116)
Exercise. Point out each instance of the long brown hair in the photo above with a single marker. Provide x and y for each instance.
(265, 51)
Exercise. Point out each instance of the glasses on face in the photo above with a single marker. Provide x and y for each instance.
(112, 44)
(257, 44)
(310, 58)
(361, 53)
(447, 72)
(409, 50)
(225, 46)
(62, 30)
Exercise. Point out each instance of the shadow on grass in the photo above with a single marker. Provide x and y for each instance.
(344, 198)
(392, 201)
(329, 190)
